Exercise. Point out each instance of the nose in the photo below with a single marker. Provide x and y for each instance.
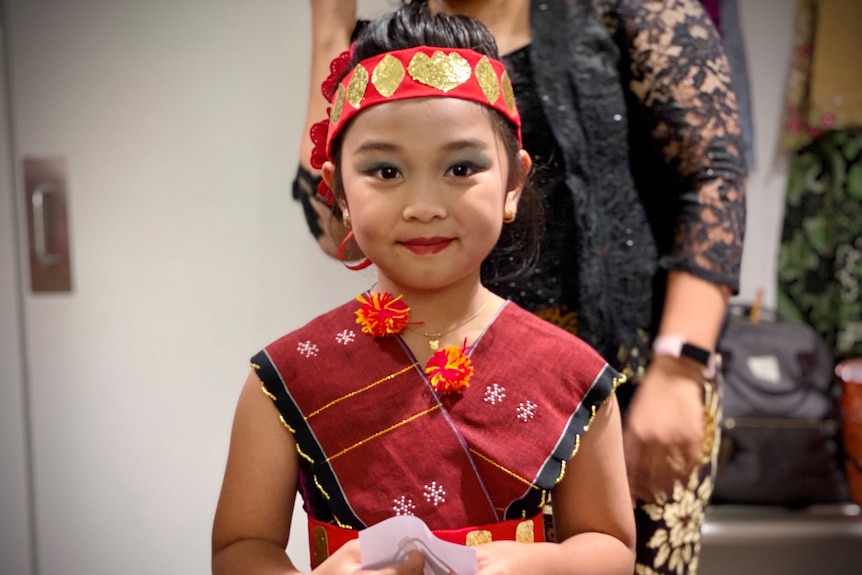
(424, 201)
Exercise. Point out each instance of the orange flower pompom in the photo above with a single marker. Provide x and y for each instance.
(381, 315)
(450, 370)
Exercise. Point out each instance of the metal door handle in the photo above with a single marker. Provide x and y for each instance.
(38, 204)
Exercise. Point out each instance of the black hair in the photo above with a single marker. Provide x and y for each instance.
(412, 25)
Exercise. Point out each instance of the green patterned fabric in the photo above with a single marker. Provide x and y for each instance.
(820, 262)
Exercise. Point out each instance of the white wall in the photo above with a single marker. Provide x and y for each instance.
(767, 27)
(181, 123)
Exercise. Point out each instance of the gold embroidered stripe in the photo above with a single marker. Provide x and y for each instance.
(320, 487)
(384, 431)
(503, 469)
(266, 392)
(562, 469)
(358, 391)
(340, 524)
(577, 446)
(303, 455)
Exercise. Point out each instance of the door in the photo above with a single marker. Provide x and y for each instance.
(179, 125)
(16, 548)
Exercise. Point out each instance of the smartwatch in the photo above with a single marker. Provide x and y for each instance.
(677, 346)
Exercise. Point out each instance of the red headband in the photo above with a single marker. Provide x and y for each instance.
(421, 72)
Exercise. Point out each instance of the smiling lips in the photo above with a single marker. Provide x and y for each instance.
(426, 246)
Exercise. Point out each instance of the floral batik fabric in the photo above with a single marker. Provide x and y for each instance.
(820, 259)
(669, 527)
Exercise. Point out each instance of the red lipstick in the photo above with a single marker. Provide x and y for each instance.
(427, 246)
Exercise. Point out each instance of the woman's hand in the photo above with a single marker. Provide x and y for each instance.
(663, 436)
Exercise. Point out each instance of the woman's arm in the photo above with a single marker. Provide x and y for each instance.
(680, 82)
(593, 516)
(332, 23)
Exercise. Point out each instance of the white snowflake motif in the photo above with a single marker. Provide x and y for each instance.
(307, 348)
(345, 337)
(435, 493)
(403, 506)
(526, 411)
(494, 394)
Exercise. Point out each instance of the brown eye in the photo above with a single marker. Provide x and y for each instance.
(388, 173)
(383, 172)
(463, 170)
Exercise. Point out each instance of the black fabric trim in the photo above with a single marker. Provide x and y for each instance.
(321, 469)
(601, 390)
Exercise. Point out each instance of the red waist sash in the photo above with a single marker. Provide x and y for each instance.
(324, 538)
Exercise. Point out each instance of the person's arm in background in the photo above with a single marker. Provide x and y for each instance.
(682, 80)
(332, 23)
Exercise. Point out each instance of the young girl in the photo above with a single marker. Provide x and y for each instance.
(427, 395)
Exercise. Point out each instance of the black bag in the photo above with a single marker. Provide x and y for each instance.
(781, 436)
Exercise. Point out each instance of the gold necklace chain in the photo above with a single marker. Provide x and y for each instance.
(434, 338)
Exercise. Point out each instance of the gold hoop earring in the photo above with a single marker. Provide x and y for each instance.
(508, 216)
(345, 219)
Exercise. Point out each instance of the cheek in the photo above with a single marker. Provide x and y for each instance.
(486, 219)
(367, 222)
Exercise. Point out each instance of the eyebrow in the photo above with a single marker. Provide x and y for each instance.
(381, 146)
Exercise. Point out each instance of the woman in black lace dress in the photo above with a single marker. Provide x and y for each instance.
(629, 116)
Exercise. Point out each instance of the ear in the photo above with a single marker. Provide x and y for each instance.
(327, 172)
(525, 162)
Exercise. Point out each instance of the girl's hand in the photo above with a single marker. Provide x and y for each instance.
(663, 434)
(504, 558)
(347, 560)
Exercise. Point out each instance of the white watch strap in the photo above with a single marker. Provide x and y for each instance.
(677, 346)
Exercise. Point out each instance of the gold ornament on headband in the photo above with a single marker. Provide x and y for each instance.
(388, 75)
(421, 72)
(357, 86)
(488, 80)
(441, 71)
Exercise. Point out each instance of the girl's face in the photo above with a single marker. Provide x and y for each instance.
(426, 185)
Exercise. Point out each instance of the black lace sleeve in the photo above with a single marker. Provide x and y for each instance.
(305, 190)
(679, 77)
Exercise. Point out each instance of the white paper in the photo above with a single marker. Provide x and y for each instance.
(391, 540)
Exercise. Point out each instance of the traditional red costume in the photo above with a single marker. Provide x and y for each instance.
(375, 440)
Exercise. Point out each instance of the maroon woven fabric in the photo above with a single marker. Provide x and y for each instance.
(380, 442)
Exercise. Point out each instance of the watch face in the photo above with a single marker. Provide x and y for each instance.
(698, 354)
(676, 346)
